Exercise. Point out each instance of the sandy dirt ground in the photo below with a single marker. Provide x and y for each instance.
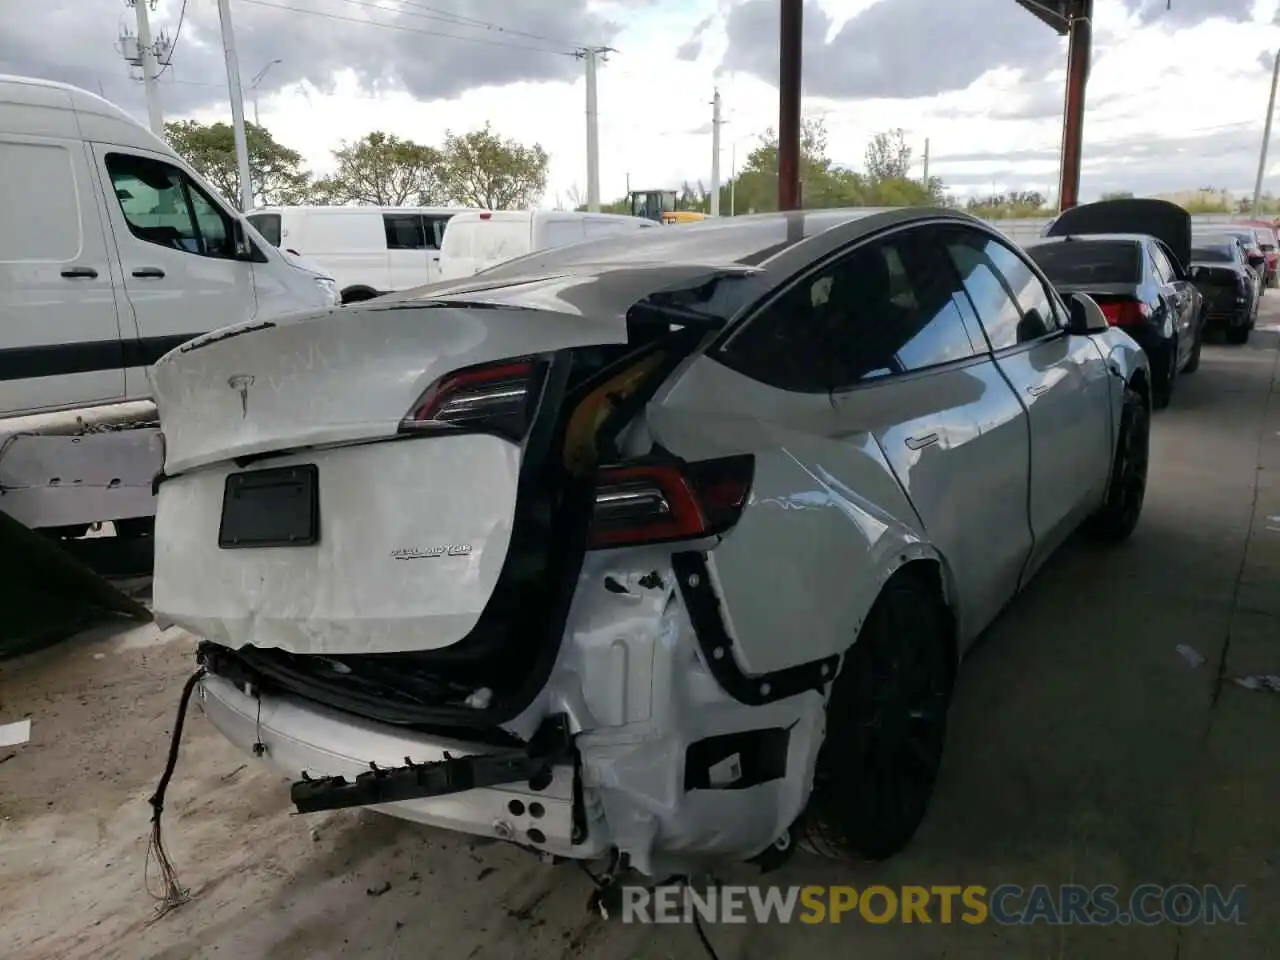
(1084, 748)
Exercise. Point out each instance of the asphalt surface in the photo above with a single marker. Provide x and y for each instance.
(1085, 748)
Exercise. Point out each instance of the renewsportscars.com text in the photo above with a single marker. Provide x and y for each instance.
(1009, 904)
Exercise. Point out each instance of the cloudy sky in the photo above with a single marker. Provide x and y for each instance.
(1177, 93)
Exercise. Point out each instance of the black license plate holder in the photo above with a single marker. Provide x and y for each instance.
(279, 507)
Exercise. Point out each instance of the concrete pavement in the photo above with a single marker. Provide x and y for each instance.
(1085, 749)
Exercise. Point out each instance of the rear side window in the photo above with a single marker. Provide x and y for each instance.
(1164, 269)
(1088, 261)
(887, 308)
(162, 205)
(38, 184)
(404, 231)
(267, 224)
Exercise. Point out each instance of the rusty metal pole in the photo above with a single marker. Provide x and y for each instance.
(1079, 40)
(790, 59)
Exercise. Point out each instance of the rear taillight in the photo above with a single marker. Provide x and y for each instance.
(655, 503)
(497, 397)
(1126, 313)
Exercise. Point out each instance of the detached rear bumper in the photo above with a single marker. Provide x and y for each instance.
(300, 736)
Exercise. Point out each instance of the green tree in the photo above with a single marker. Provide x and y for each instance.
(277, 172)
(888, 157)
(488, 171)
(386, 171)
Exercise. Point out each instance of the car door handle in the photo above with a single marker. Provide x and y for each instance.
(78, 273)
(1039, 389)
(153, 273)
(922, 441)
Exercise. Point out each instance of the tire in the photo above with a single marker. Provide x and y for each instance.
(1193, 361)
(886, 725)
(1238, 335)
(1128, 487)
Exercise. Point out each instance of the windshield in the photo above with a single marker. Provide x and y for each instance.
(1217, 253)
(1076, 262)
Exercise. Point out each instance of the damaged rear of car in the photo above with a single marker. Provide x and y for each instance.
(487, 557)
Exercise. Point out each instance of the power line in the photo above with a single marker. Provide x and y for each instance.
(403, 29)
(177, 35)
(446, 16)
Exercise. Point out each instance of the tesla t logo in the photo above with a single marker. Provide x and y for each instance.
(242, 383)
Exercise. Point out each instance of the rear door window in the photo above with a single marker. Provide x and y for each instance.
(1087, 262)
(1164, 269)
(888, 307)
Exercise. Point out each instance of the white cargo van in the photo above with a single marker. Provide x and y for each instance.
(479, 239)
(113, 251)
(368, 250)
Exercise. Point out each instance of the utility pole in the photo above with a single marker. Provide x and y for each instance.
(1266, 140)
(593, 56)
(715, 155)
(237, 105)
(926, 163)
(140, 51)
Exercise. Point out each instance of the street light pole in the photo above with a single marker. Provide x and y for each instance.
(1266, 140)
(253, 88)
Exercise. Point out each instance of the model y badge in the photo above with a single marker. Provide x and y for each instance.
(241, 382)
(418, 553)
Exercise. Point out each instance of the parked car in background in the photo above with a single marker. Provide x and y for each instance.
(1130, 256)
(1264, 233)
(368, 251)
(1230, 287)
(1248, 240)
(479, 239)
(665, 545)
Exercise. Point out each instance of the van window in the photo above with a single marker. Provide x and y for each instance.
(162, 205)
(267, 224)
(38, 185)
(404, 231)
(561, 233)
(495, 240)
(435, 224)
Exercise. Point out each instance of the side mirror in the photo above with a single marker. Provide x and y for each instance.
(1086, 316)
(1193, 274)
(1256, 259)
(243, 248)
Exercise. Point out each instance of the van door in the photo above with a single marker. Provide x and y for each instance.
(59, 329)
(407, 250)
(433, 224)
(177, 253)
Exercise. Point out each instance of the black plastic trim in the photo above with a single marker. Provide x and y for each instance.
(761, 758)
(755, 690)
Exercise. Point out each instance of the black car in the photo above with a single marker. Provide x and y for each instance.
(1255, 256)
(1130, 256)
(1230, 288)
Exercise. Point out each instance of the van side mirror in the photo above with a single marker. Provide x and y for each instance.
(243, 246)
(1086, 316)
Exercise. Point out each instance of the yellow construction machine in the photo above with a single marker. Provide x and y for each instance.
(660, 206)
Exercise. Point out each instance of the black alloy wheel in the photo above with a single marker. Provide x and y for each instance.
(886, 726)
(1128, 488)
